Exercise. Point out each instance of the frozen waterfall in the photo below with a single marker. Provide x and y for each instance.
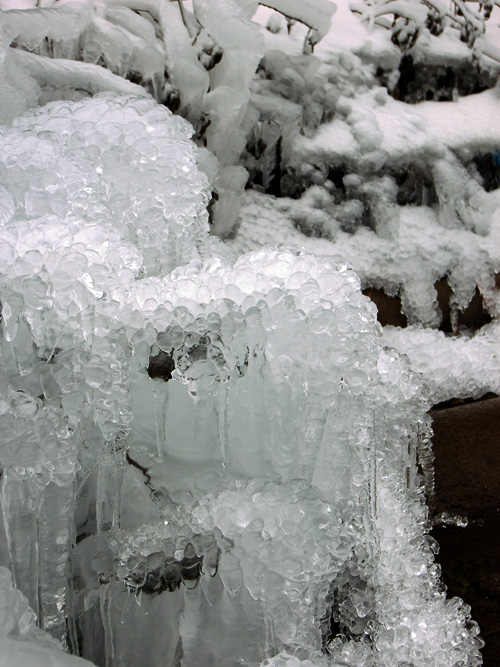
(206, 460)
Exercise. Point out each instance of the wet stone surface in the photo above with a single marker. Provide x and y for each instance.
(467, 464)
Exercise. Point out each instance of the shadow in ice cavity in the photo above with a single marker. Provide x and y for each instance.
(161, 366)
(389, 308)
(473, 317)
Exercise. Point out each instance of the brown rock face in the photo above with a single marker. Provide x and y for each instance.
(389, 307)
(466, 446)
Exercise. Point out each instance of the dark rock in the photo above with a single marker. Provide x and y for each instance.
(467, 458)
(420, 81)
(470, 562)
(473, 317)
(389, 307)
(467, 466)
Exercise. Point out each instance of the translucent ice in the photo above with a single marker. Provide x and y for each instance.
(217, 456)
(458, 367)
(62, 278)
(21, 642)
(109, 159)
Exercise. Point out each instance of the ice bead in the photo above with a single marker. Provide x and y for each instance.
(119, 159)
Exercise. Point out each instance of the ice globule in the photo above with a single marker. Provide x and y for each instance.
(229, 441)
(116, 159)
(65, 385)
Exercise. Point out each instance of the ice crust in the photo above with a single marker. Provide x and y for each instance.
(278, 460)
(106, 160)
(421, 248)
(465, 367)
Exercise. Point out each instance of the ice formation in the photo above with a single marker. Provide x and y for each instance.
(461, 367)
(211, 453)
(62, 48)
(21, 642)
(270, 440)
(93, 163)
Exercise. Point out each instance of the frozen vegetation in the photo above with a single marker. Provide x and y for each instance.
(211, 451)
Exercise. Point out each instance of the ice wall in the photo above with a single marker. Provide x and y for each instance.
(64, 379)
(21, 642)
(217, 458)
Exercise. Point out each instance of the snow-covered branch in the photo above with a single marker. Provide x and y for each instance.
(71, 74)
(411, 17)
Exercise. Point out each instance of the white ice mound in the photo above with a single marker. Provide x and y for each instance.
(111, 159)
(458, 367)
(265, 347)
(160, 402)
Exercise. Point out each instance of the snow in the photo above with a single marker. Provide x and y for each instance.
(420, 248)
(316, 15)
(407, 131)
(467, 123)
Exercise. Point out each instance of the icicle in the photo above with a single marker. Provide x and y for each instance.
(135, 638)
(21, 500)
(109, 480)
(223, 436)
(55, 537)
(159, 417)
